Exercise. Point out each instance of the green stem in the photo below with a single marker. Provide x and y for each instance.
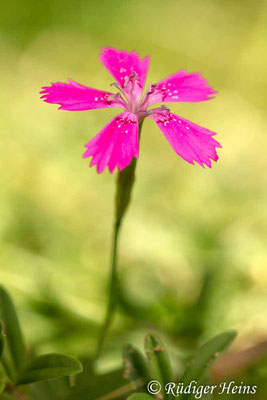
(112, 299)
(125, 183)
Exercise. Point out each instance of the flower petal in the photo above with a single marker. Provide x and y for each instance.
(122, 64)
(116, 144)
(190, 141)
(180, 87)
(75, 97)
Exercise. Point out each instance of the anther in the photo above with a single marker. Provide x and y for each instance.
(152, 88)
(132, 77)
(164, 108)
(118, 86)
(114, 97)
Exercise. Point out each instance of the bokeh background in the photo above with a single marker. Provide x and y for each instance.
(193, 251)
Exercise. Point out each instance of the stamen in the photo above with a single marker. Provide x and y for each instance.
(118, 86)
(130, 96)
(114, 96)
(117, 98)
(159, 110)
(144, 113)
(152, 88)
(164, 108)
(132, 77)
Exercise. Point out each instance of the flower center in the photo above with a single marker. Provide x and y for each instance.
(130, 93)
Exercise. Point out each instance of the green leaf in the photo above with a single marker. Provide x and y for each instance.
(50, 366)
(54, 389)
(206, 356)
(2, 386)
(14, 355)
(135, 366)
(2, 340)
(158, 360)
(91, 385)
(2, 372)
(140, 396)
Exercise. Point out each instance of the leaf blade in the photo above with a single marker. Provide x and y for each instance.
(135, 367)
(158, 360)
(50, 366)
(2, 340)
(206, 356)
(15, 353)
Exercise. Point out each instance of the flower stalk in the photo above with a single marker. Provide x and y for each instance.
(125, 182)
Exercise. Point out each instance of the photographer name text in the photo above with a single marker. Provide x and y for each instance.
(177, 389)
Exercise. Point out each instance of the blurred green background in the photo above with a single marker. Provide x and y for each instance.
(193, 251)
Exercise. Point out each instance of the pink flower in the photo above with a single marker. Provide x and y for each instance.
(117, 143)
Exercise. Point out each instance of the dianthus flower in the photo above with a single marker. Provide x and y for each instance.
(117, 143)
